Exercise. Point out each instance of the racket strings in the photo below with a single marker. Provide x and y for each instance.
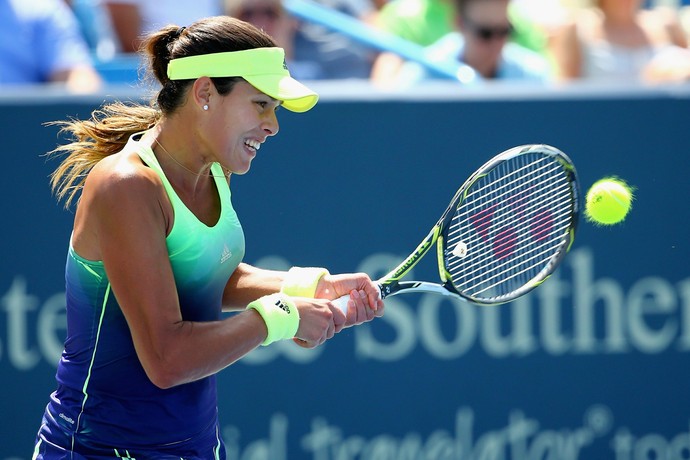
(479, 283)
(488, 228)
(512, 222)
(475, 262)
(507, 187)
(476, 278)
(490, 221)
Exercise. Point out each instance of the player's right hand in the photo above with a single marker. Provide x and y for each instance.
(319, 321)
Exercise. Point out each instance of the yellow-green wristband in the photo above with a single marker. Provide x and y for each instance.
(302, 281)
(280, 315)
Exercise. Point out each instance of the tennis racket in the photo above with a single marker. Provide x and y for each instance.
(505, 231)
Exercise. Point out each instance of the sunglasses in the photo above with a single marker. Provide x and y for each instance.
(488, 33)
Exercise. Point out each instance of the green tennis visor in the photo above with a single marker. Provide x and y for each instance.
(263, 68)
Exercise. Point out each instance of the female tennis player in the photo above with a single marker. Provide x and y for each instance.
(156, 253)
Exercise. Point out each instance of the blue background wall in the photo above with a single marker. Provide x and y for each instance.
(593, 365)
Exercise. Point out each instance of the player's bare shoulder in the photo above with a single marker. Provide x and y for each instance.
(121, 187)
(121, 176)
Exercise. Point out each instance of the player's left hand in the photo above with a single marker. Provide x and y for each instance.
(365, 301)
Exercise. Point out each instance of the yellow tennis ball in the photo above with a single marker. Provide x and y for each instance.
(608, 201)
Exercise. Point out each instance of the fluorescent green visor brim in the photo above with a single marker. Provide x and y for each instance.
(295, 96)
(263, 68)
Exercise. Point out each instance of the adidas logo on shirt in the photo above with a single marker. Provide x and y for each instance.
(226, 254)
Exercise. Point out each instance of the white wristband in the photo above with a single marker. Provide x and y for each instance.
(302, 281)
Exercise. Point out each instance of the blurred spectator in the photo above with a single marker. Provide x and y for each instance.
(378, 4)
(684, 14)
(40, 42)
(618, 41)
(481, 42)
(339, 56)
(312, 52)
(271, 17)
(134, 18)
(425, 22)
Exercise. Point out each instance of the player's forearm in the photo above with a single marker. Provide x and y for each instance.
(248, 283)
(194, 350)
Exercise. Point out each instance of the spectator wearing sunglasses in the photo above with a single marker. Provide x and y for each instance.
(482, 41)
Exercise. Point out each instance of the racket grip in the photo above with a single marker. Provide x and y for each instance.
(341, 302)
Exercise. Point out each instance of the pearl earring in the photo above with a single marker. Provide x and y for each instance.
(205, 107)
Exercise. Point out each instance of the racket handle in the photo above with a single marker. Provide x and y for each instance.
(341, 302)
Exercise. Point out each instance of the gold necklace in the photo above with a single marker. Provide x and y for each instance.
(226, 173)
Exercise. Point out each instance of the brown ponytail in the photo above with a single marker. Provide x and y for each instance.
(111, 126)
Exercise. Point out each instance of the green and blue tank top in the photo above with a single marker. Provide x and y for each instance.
(103, 395)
